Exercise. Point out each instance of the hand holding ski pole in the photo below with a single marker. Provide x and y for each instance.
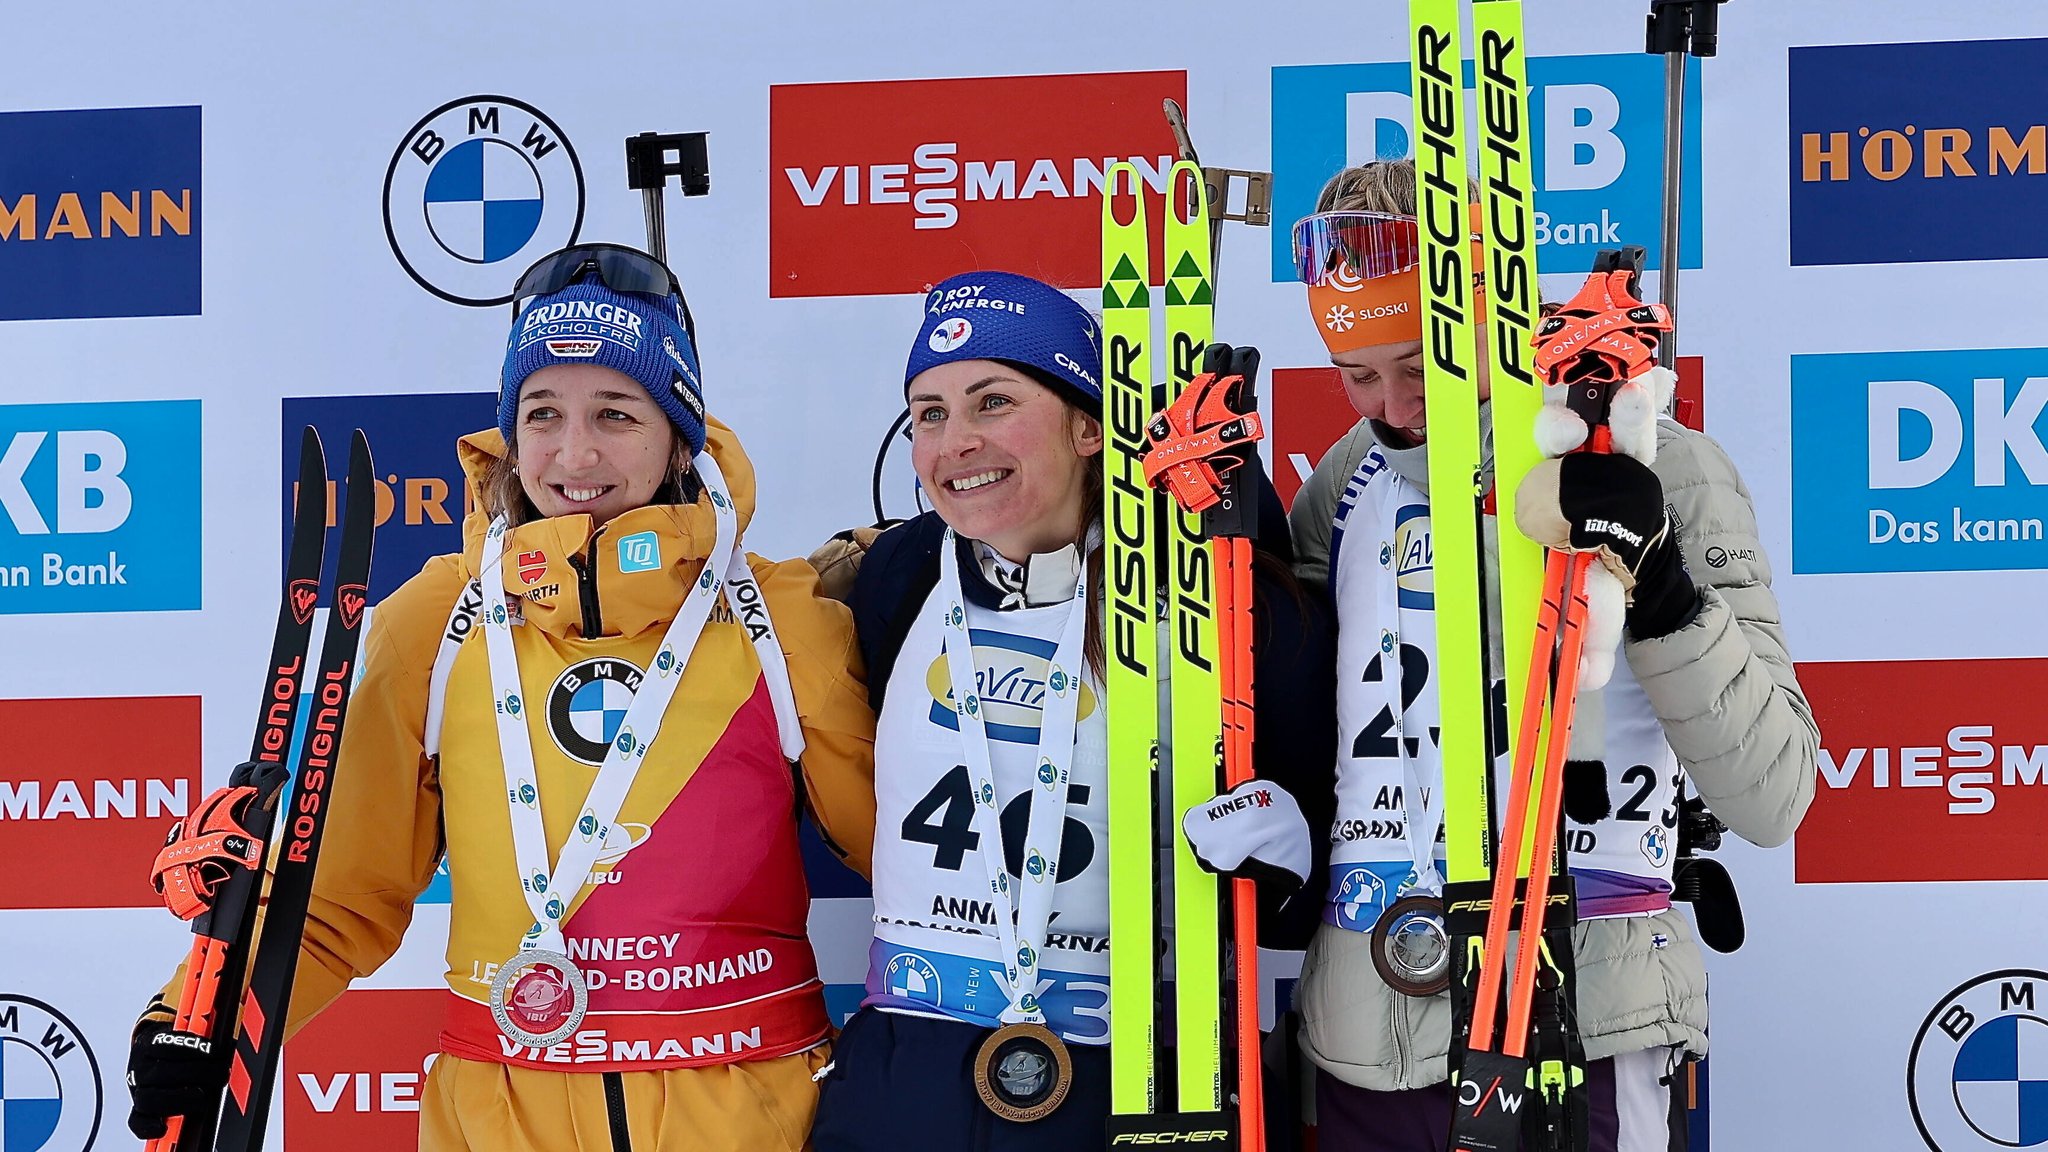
(1602, 396)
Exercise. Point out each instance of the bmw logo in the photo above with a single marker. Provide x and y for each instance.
(50, 1087)
(586, 709)
(477, 190)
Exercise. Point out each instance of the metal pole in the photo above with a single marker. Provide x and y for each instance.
(1674, 198)
(657, 225)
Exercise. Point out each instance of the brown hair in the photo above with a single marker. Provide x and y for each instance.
(504, 496)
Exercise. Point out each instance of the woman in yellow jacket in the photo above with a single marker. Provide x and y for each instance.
(627, 958)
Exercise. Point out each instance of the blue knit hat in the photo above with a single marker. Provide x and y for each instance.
(588, 323)
(1015, 319)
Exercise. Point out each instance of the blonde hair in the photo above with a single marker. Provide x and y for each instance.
(504, 496)
(1385, 186)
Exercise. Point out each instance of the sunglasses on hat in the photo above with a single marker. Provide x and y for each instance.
(616, 266)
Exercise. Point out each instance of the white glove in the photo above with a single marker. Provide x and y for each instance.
(1255, 830)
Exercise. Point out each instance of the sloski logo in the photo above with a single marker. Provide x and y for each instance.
(1008, 168)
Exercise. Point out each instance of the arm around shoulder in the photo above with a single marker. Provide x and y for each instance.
(827, 676)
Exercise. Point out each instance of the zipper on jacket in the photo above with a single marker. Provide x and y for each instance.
(586, 589)
(615, 1111)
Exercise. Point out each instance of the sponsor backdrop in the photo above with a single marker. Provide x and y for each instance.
(217, 227)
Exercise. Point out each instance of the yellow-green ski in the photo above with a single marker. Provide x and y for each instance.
(1131, 644)
(1456, 483)
(1196, 685)
(1512, 300)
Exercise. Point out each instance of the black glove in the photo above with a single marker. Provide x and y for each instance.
(170, 1074)
(1613, 505)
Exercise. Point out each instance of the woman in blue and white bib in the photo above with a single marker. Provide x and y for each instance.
(1005, 402)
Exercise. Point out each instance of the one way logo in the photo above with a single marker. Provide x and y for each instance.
(1490, 1099)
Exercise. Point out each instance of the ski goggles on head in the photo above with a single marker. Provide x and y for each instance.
(616, 266)
(1363, 271)
(1358, 245)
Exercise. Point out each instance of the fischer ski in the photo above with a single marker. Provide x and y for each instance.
(211, 865)
(259, 1034)
(1131, 680)
(1192, 447)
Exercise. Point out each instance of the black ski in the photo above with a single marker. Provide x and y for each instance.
(219, 955)
(259, 1035)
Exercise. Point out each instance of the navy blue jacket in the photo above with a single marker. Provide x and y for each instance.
(1294, 738)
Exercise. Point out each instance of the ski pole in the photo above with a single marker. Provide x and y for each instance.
(1677, 29)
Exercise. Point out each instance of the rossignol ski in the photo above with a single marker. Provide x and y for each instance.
(211, 866)
(1192, 446)
(259, 1036)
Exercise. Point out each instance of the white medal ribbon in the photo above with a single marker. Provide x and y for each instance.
(1423, 809)
(550, 893)
(1022, 932)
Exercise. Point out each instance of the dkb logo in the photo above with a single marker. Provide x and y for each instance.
(1949, 474)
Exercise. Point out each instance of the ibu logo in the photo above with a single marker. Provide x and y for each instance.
(99, 507)
(640, 552)
(1920, 461)
(1595, 139)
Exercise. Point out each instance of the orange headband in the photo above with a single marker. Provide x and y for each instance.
(1352, 312)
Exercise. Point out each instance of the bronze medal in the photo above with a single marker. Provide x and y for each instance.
(1410, 948)
(1023, 1072)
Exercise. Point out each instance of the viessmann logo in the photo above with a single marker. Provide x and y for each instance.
(890, 186)
(1929, 770)
(354, 1077)
(1914, 152)
(61, 802)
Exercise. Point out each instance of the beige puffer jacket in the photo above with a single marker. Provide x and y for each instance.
(1732, 710)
